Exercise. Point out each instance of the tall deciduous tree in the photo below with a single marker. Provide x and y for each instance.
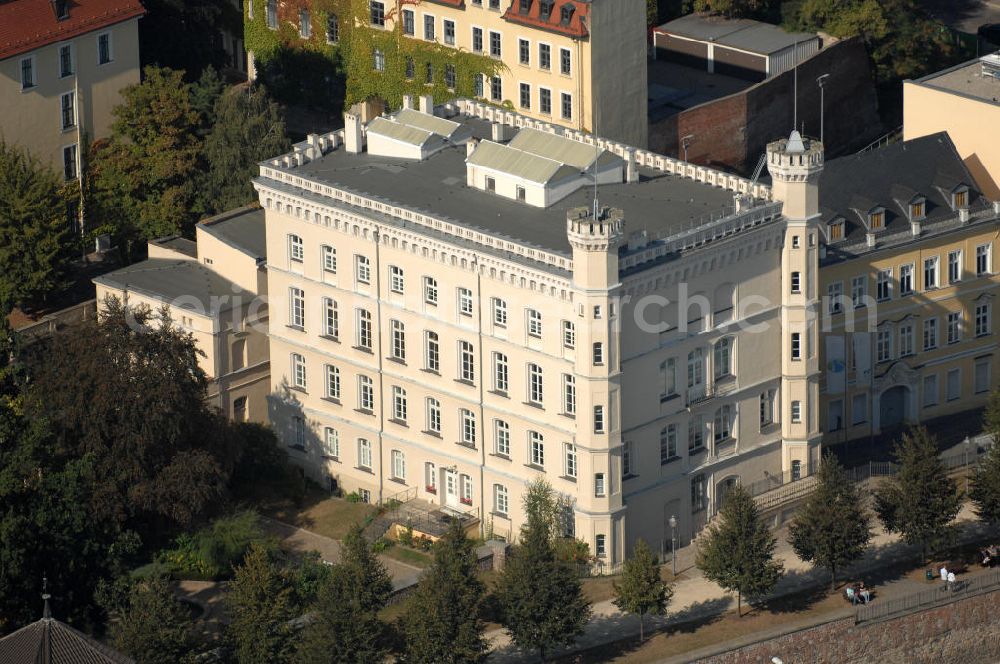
(985, 491)
(442, 623)
(921, 501)
(34, 232)
(641, 590)
(199, 21)
(539, 593)
(832, 528)
(152, 626)
(261, 605)
(249, 128)
(345, 627)
(737, 551)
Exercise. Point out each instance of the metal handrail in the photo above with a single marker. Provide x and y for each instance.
(897, 606)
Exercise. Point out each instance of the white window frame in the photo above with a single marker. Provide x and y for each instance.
(983, 319)
(366, 393)
(466, 361)
(296, 249)
(499, 312)
(501, 438)
(332, 382)
(501, 373)
(501, 502)
(433, 409)
(430, 291)
(569, 394)
(72, 60)
(111, 47)
(364, 335)
(984, 259)
(564, 52)
(536, 384)
(362, 270)
(298, 362)
(432, 351)
(32, 70)
(396, 280)
(536, 449)
(331, 318)
(906, 286)
(534, 323)
(399, 404)
(331, 443)
(570, 461)
(364, 453)
(932, 272)
(465, 307)
(397, 346)
(569, 335)
(468, 422)
(955, 266)
(62, 110)
(296, 308)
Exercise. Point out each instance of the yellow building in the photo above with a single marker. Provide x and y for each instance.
(215, 289)
(62, 65)
(579, 64)
(909, 288)
(965, 102)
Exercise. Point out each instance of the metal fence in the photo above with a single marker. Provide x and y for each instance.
(936, 596)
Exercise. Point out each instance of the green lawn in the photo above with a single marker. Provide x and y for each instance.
(319, 513)
(409, 556)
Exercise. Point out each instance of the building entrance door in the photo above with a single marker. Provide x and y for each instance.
(892, 407)
(451, 489)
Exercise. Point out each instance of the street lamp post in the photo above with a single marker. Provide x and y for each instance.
(820, 81)
(686, 141)
(673, 544)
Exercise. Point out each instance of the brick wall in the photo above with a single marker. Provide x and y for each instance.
(732, 132)
(967, 631)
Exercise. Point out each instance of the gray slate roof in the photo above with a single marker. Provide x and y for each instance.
(241, 228)
(49, 641)
(183, 283)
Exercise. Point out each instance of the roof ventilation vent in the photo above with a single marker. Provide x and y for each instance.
(991, 65)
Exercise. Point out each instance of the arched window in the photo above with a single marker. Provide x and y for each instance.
(722, 358)
(723, 429)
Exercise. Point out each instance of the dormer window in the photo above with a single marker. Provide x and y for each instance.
(524, 6)
(918, 209)
(836, 229)
(61, 9)
(566, 13)
(876, 219)
(960, 197)
(546, 9)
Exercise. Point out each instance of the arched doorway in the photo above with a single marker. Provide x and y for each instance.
(893, 407)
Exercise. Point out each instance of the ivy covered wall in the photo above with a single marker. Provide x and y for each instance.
(321, 74)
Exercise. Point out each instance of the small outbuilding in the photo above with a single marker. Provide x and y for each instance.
(741, 48)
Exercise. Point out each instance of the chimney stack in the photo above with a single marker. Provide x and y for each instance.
(353, 138)
(427, 104)
(408, 102)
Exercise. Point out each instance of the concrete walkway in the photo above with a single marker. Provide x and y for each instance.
(300, 540)
(695, 597)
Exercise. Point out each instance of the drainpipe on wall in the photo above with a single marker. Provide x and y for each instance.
(378, 361)
(482, 410)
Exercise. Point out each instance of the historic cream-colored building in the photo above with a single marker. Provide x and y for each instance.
(62, 67)
(211, 288)
(455, 315)
(964, 101)
(910, 285)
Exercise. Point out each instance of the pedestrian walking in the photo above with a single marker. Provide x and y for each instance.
(951, 581)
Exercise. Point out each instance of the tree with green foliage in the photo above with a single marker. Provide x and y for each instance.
(261, 605)
(34, 234)
(920, 501)
(248, 129)
(640, 589)
(832, 528)
(345, 627)
(985, 491)
(141, 177)
(540, 595)
(737, 550)
(263, 465)
(442, 623)
(732, 8)
(152, 626)
(199, 21)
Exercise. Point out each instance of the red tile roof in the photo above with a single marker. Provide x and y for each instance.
(29, 24)
(574, 28)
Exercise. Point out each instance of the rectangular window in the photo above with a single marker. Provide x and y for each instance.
(906, 339)
(545, 101)
(598, 354)
(983, 326)
(598, 419)
(906, 279)
(450, 78)
(953, 385)
(599, 489)
(329, 259)
(569, 394)
(600, 546)
(796, 345)
(366, 394)
(68, 110)
(468, 427)
(331, 320)
(524, 51)
(298, 432)
(501, 438)
(363, 270)
(364, 336)
(535, 385)
(496, 88)
(930, 333)
(398, 465)
(430, 291)
(859, 290)
(981, 382)
(569, 460)
(796, 411)
(70, 168)
(494, 44)
(565, 61)
(331, 443)
(536, 449)
(332, 29)
(544, 56)
(668, 443)
(432, 352)
(767, 400)
(930, 390)
(796, 470)
(984, 260)
(698, 493)
(408, 22)
(296, 308)
(396, 279)
(433, 415)
(378, 13)
(796, 282)
(525, 96)
(499, 312)
(298, 371)
(466, 363)
(627, 459)
(378, 60)
(27, 73)
(398, 340)
(364, 454)
(449, 32)
(428, 27)
(296, 251)
(883, 345)
(567, 106)
(398, 404)
(305, 24)
(332, 382)
(859, 409)
(835, 297)
(954, 266)
(65, 60)
(104, 53)
(954, 326)
(534, 323)
(696, 433)
(465, 301)
(477, 40)
(500, 499)
(501, 374)
(569, 335)
(272, 14)
(931, 273)
(883, 285)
